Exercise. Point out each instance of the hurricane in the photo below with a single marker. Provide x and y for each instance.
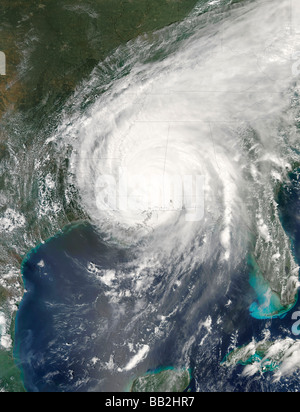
(180, 145)
(220, 105)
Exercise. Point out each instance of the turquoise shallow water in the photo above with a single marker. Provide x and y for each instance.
(62, 310)
(267, 304)
(97, 314)
(65, 325)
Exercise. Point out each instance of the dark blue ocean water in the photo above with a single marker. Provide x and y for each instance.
(56, 318)
(67, 328)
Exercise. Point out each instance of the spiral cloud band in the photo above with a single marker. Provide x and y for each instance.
(191, 132)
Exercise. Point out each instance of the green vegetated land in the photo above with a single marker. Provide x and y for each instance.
(60, 42)
(50, 47)
(163, 380)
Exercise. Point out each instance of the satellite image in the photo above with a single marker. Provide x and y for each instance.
(149, 196)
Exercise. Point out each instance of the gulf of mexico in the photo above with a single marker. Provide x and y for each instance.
(63, 311)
